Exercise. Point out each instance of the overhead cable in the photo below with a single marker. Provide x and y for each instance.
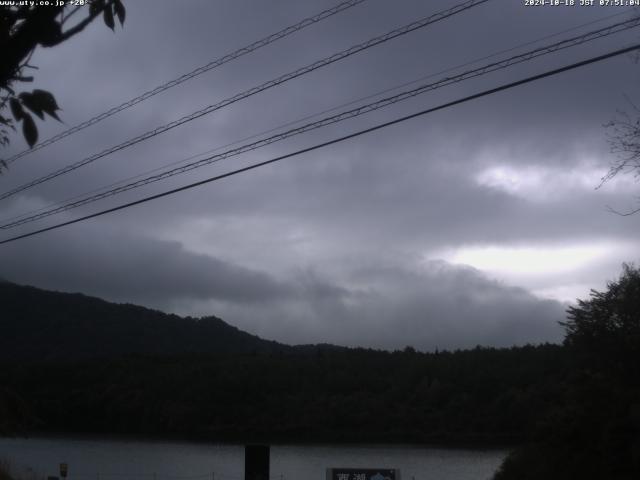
(253, 91)
(484, 93)
(309, 117)
(285, 32)
(348, 114)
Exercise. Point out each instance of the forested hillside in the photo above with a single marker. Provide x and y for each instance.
(574, 408)
(39, 325)
(73, 363)
(475, 396)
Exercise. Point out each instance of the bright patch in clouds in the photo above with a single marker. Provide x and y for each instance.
(529, 259)
(562, 273)
(538, 182)
(566, 293)
(509, 179)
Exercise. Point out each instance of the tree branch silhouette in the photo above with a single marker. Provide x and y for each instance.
(22, 30)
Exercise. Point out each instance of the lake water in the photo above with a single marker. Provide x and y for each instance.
(99, 459)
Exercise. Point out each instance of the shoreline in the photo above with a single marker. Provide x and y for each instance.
(197, 440)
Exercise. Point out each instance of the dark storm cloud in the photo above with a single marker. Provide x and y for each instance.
(425, 198)
(434, 306)
(316, 248)
(428, 306)
(147, 54)
(130, 268)
(419, 306)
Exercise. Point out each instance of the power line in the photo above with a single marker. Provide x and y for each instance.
(308, 117)
(382, 103)
(285, 32)
(334, 141)
(340, 117)
(260, 88)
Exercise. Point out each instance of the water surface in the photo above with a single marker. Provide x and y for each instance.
(99, 459)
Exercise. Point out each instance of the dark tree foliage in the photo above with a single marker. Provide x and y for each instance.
(71, 363)
(23, 28)
(42, 326)
(609, 322)
(474, 397)
(595, 432)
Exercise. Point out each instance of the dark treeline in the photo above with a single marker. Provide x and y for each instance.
(40, 325)
(593, 430)
(475, 396)
(574, 409)
(73, 363)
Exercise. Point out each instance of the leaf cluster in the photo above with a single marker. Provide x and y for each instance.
(608, 323)
(595, 432)
(23, 28)
(39, 102)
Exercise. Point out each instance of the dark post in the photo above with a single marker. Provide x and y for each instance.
(256, 462)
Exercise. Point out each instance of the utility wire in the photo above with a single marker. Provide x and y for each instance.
(382, 103)
(484, 93)
(194, 73)
(260, 88)
(309, 117)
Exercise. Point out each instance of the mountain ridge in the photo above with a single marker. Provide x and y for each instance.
(46, 325)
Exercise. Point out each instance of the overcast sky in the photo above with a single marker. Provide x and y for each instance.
(472, 225)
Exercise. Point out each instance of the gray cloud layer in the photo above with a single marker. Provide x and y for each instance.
(337, 245)
(427, 306)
